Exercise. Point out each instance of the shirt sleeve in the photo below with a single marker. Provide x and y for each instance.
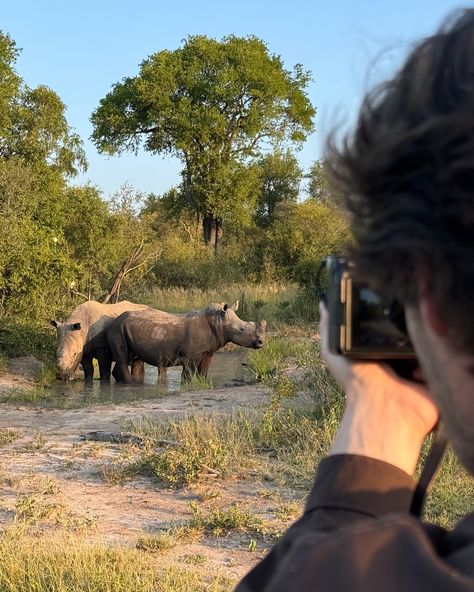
(348, 489)
(361, 485)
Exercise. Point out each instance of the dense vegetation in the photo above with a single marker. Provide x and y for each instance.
(235, 117)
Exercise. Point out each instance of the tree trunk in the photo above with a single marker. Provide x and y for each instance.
(122, 272)
(212, 228)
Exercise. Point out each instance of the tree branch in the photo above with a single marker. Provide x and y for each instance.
(79, 293)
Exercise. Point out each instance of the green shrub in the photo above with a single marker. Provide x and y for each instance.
(220, 522)
(27, 339)
(185, 464)
(302, 235)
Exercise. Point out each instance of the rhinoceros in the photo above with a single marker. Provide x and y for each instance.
(82, 338)
(188, 340)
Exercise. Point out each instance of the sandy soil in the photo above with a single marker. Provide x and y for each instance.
(49, 463)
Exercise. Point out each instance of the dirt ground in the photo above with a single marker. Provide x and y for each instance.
(49, 463)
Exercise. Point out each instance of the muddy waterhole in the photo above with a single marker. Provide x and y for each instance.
(228, 369)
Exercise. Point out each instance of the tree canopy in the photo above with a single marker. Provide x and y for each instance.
(33, 125)
(215, 105)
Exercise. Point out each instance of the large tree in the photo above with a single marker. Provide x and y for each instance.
(215, 105)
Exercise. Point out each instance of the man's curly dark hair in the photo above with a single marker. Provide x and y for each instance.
(406, 176)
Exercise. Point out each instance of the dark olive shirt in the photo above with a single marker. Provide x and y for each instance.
(357, 534)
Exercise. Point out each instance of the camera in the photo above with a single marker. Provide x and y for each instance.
(362, 325)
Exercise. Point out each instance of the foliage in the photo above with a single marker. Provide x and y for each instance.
(200, 454)
(213, 104)
(302, 235)
(170, 538)
(280, 182)
(33, 126)
(318, 182)
(267, 363)
(38, 152)
(24, 339)
(8, 436)
(221, 522)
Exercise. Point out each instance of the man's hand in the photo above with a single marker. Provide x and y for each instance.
(386, 417)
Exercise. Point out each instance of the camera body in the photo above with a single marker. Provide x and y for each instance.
(361, 325)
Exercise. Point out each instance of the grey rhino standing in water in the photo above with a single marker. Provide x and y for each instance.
(188, 340)
(82, 338)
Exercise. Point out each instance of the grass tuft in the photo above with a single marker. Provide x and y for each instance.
(8, 436)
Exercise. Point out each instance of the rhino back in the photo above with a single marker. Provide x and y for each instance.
(154, 336)
(95, 317)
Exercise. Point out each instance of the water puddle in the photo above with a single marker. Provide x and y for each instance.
(227, 369)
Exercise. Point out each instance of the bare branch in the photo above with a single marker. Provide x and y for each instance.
(142, 262)
(80, 294)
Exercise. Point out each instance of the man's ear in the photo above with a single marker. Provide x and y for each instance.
(430, 314)
(429, 310)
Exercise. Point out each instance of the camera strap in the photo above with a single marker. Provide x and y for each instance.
(431, 466)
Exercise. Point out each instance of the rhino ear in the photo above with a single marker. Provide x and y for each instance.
(55, 324)
(76, 326)
(225, 306)
(235, 306)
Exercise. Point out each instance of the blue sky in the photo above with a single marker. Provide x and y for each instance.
(80, 49)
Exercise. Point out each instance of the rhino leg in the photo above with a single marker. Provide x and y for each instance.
(116, 374)
(118, 351)
(88, 367)
(138, 371)
(105, 364)
(121, 372)
(203, 366)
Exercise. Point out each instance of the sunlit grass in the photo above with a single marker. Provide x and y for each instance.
(60, 564)
(276, 442)
(272, 302)
(278, 352)
(452, 494)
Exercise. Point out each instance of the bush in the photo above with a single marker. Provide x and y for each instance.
(23, 340)
(302, 235)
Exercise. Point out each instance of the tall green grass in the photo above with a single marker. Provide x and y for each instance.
(276, 303)
(278, 352)
(276, 442)
(64, 564)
